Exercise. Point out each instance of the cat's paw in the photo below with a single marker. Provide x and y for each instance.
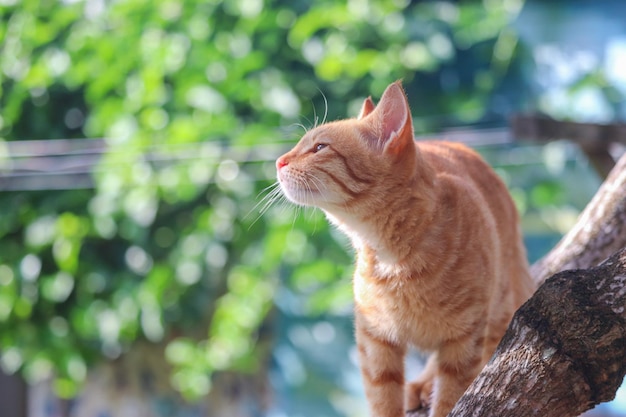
(418, 395)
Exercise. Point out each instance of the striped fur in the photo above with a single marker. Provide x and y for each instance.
(440, 260)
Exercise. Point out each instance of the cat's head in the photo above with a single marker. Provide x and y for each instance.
(344, 163)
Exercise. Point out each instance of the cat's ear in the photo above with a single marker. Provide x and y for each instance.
(367, 107)
(393, 119)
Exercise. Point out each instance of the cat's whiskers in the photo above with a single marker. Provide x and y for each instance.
(307, 190)
(269, 199)
(325, 107)
(274, 194)
(296, 214)
(284, 201)
(317, 182)
(312, 218)
(302, 126)
(300, 196)
(315, 118)
(322, 190)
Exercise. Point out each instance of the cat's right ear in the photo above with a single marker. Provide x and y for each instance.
(393, 120)
(367, 107)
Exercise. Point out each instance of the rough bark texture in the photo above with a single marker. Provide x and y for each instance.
(565, 350)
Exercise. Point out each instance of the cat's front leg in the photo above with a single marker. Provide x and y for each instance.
(382, 369)
(457, 366)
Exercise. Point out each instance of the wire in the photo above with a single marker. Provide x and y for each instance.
(56, 147)
(48, 164)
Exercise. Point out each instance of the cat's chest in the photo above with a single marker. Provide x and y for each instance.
(396, 309)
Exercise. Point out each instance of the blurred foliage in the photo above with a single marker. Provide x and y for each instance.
(195, 99)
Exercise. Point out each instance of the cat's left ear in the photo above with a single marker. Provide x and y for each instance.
(367, 107)
(393, 120)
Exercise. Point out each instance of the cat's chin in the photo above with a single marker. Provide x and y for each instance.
(308, 198)
(300, 197)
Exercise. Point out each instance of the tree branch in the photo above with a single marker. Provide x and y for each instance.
(594, 139)
(558, 361)
(544, 128)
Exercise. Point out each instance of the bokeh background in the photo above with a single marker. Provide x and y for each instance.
(142, 270)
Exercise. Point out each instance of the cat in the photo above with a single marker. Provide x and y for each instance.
(440, 263)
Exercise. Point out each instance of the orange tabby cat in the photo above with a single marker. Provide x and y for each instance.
(440, 260)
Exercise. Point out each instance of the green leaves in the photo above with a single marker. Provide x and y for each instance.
(190, 99)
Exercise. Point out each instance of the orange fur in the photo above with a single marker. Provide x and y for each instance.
(440, 260)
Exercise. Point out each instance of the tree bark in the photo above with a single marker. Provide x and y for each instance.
(565, 350)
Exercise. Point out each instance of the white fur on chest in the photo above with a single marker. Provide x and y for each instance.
(361, 235)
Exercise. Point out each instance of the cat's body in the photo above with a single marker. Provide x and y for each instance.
(440, 260)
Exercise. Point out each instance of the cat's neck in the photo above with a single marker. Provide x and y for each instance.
(386, 234)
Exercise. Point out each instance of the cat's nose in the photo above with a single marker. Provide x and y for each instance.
(281, 162)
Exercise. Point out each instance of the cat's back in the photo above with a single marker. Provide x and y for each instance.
(477, 191)
(455, 158)
(466, 168)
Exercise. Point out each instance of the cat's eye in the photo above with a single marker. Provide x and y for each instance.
(318, 147)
